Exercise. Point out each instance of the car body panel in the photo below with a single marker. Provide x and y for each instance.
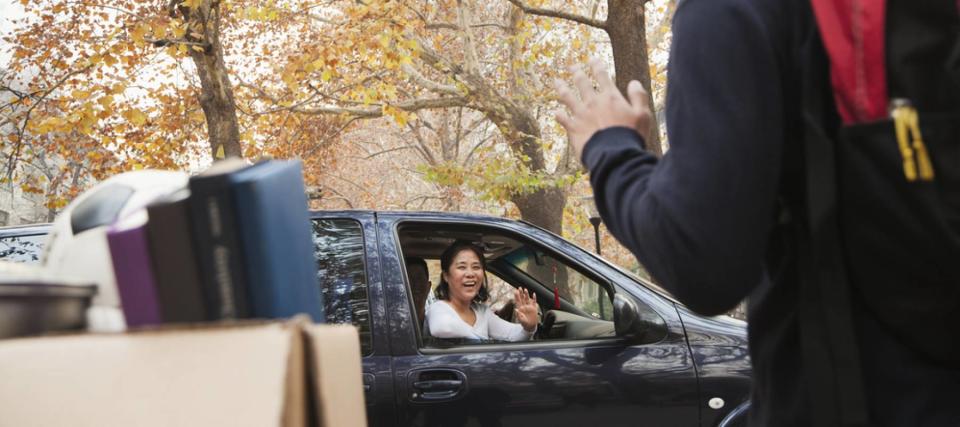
(604, 381)
(720, 352)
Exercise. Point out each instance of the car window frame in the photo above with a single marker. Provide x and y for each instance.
(366, 274)
(519, 345)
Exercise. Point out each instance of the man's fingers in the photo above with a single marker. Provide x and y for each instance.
(566, 95)
(600, 74)
(564, 119)
(583, 84)
(637, 96)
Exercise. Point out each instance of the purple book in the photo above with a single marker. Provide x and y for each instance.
(133, 269)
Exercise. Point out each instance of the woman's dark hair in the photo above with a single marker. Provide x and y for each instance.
(446, 259)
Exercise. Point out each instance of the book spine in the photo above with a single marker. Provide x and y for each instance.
(278, 248)
(179, 288)
(134, 276)
(218, 250)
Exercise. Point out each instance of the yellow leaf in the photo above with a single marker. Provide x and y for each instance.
(80, 94)
(326, 75)
(192, 4)
(179, 31)
(136, 117)
(105, 102)
(138, 33)
(159, 30)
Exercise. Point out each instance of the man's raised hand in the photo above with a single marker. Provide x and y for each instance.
(601, 107)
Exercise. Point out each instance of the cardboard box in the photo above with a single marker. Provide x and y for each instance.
(261, 374)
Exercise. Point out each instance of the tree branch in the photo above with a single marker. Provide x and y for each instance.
(427, 83)
(595, 23)
(376, 110)
(463, 20)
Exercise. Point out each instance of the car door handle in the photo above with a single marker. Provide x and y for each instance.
(437, 389)
(438, 385)
(368, 382)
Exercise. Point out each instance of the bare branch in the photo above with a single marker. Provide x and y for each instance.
(463, 19)
(596, 23)
(455, 27)
(326, 21)
(475, 147)
(422, 200)
(427, 83)
(389, 150)
(376, 110)
(166, 42)
(422, 147)
(442, 26)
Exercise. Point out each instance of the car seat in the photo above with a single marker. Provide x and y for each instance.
(419, 278)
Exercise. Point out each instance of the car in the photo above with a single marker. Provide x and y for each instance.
(611, 348)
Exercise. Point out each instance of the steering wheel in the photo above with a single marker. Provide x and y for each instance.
(549, 318)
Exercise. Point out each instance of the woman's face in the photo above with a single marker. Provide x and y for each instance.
(465, 276)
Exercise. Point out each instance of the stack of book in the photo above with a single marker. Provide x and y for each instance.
(235, 244)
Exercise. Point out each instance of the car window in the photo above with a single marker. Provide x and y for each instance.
(338, 247)
(571, 285)
(25, 249)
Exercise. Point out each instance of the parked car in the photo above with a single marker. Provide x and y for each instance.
(613, 349)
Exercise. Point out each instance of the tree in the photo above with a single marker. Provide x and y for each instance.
(111, 89)
(626, 26)
(432, 55)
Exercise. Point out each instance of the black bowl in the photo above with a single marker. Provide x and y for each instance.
(37, 307)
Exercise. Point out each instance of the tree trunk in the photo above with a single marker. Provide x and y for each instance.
(216, 95)
(626, 27)
(543, 207)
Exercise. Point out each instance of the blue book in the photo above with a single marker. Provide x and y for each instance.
(275, 234)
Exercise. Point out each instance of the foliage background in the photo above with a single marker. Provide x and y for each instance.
(421, 104)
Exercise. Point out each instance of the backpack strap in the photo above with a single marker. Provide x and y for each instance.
(829, 346)
(853, 34)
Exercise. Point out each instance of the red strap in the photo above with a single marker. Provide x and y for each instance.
(853, 34)
(556, 298)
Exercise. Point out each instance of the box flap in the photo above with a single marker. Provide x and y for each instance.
(229, 375)
(337, 375)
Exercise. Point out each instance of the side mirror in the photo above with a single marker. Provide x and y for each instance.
(637, 325)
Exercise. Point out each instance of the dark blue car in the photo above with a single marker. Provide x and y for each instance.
(611, 348)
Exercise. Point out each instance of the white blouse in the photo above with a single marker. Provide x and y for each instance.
(442, 321)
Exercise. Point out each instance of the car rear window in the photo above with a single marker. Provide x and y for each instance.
(25, 249)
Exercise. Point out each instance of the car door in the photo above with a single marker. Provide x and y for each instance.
(603, 381)
(348, 271)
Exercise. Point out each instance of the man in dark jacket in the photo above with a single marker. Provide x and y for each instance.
(706, 219)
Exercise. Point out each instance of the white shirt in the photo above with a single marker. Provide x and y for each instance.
(442, 321)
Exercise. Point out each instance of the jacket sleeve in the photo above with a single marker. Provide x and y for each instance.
(698, 218)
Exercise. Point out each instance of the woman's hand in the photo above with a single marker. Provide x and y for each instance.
(526, 309)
